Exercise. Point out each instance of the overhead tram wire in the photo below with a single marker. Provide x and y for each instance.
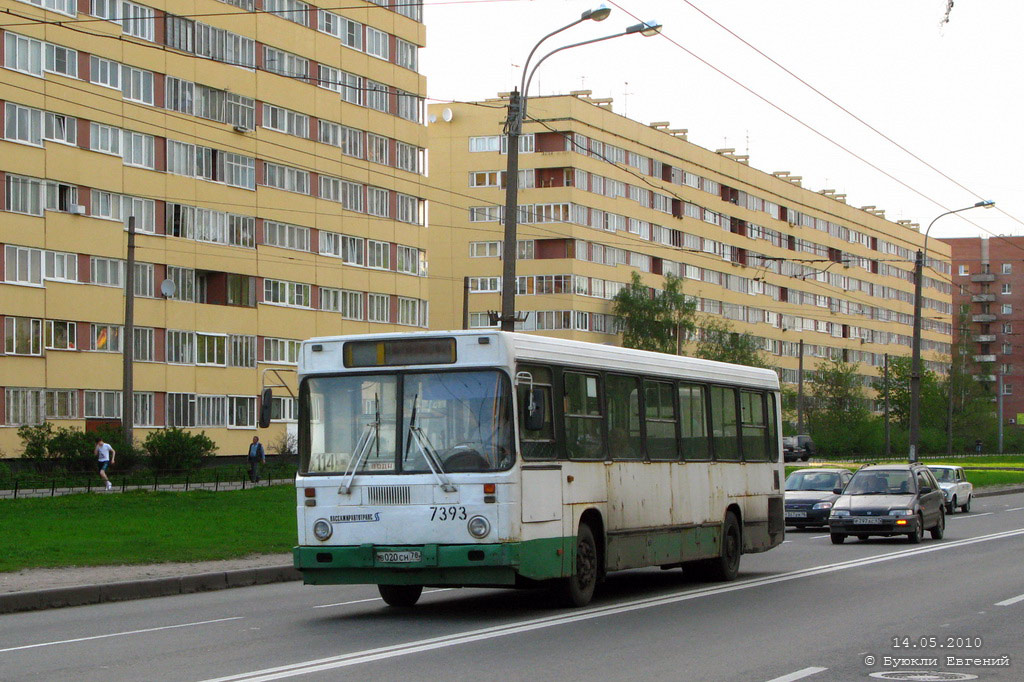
(801, 122)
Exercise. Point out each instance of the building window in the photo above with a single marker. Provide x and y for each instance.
(142, 344)
(284, 351)
(1007, 268)
(485, 249)
(181, 347)
(59, 266)
(138, 150)
(292, 10)
(1007, 349)
(377, 43)
(143, 408)
(104, 72)
(23, 54)
(408, 260)
(1007, 309)
(23, 336)
(352, 142)
(106, 271)
(377, 148)
(286, 178)
(23, 195)
(1007, 389)
(285, 236)
(377, 203)
(211, 349)
(143, 280)
(22, 124)
(104, 138)
(1007, 327)
(378, 254)
(351, 87)
(242, 411)
(106, 338)
(376, 96)
(103, 404)
(23, 405)
(284, 63)
(137, 84)
(67, 7)
(285, 121)
(410, 107)
(351, 305)
(181, 409)
(352, 196)
(1006, 288)
(241, 350)
(407, 157)
(280, 292)
(22, 265)
(406, 54)
(379, 309)
(484, 285)
(60, 403)
(60, 128)
(411, 312)
(61, 335)
(282, 409)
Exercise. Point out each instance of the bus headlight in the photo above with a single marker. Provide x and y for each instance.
(322, 529)
(478, 527)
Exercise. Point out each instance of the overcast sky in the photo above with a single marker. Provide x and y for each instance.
(950, 94)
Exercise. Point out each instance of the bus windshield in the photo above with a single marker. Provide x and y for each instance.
(461, 421)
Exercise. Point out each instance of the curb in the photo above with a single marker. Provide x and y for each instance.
(1009, 490)
(143, 589)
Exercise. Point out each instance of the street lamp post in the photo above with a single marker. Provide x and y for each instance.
(513, 131)
(915, 364)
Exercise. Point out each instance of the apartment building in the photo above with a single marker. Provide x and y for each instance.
(602, 196)
(988, 295)
(271, 155)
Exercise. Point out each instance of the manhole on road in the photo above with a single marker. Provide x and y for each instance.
(923, 676)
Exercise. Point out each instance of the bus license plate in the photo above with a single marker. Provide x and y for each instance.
(406, 557)
(796, 515)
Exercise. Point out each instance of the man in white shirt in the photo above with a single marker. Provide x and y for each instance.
(105, 457)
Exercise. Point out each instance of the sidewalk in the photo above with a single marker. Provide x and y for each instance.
(97, 487)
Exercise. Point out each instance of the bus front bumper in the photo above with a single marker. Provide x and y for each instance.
(485, 564)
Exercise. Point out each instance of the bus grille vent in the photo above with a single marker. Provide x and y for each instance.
(388, 494)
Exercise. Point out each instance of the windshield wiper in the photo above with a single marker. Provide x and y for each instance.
(371, 432)
(427, 449)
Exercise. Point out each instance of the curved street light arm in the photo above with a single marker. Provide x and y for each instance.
(988, 203)
(526, 64)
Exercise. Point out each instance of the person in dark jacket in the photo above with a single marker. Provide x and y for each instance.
(256, 456)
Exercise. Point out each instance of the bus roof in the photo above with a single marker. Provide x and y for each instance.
(537, 348)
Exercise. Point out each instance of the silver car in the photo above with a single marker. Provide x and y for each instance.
(957, 490)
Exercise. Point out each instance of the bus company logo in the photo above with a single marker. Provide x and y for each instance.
(356, 518)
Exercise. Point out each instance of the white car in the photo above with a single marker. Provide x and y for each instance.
(955, 487)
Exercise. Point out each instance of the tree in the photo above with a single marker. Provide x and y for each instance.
(719, 341)
(652, 320)
(933, 394)
(838, 414)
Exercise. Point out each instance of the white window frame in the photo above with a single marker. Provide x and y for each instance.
(23, 335)
(106, 338)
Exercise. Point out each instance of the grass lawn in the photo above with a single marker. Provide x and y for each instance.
(145, 527)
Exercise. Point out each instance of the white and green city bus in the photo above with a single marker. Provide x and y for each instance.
(485, 458)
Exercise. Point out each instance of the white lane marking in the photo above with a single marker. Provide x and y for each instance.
(957, 517)
(1012, 600)
(799, 674)
(370, 655)
(362, 601)
(819, 537)
(118, 634)
(1015, 509)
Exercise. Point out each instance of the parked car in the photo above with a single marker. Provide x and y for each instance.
(955, 486)
(888, 500)
(810, 494)
(796, 448)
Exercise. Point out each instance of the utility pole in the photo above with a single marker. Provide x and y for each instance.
(885, 383)
(128, 340)
(800, 391)
(1000, 403)
(513, 129)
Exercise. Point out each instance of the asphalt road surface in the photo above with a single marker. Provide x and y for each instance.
(806, 610)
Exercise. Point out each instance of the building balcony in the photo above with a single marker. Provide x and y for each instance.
(984, 358)
(984, 338)
(983, 298)
(984, 277)
(984, 377)
(984, 317)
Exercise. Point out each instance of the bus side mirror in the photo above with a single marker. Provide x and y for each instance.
(266, 401)
(837, 491)
(535, 410)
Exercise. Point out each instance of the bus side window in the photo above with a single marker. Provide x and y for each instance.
(660, 419)
(538, 444)
(752, 416)
(724, 423)
(773, 430)
(693, 423)
(584, 420)
(623, 417)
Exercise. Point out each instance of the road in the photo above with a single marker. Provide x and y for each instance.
(807, 610)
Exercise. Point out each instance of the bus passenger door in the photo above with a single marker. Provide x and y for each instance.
(542, 538)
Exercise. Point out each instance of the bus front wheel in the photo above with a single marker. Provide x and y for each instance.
(400, 595)
(578, 589)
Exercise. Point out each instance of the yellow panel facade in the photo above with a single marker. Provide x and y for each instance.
(274, 168)
(603, 196)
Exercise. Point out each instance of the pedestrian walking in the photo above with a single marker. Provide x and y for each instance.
(977, 446)
(256, 456)
(104, 458)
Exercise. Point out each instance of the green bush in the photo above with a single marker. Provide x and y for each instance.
(73, 449)
(175, 449)
(36, 441)
(127, 457)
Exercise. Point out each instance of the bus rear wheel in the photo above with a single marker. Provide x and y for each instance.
(726, 566)
(578, 589)
(400, 595)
